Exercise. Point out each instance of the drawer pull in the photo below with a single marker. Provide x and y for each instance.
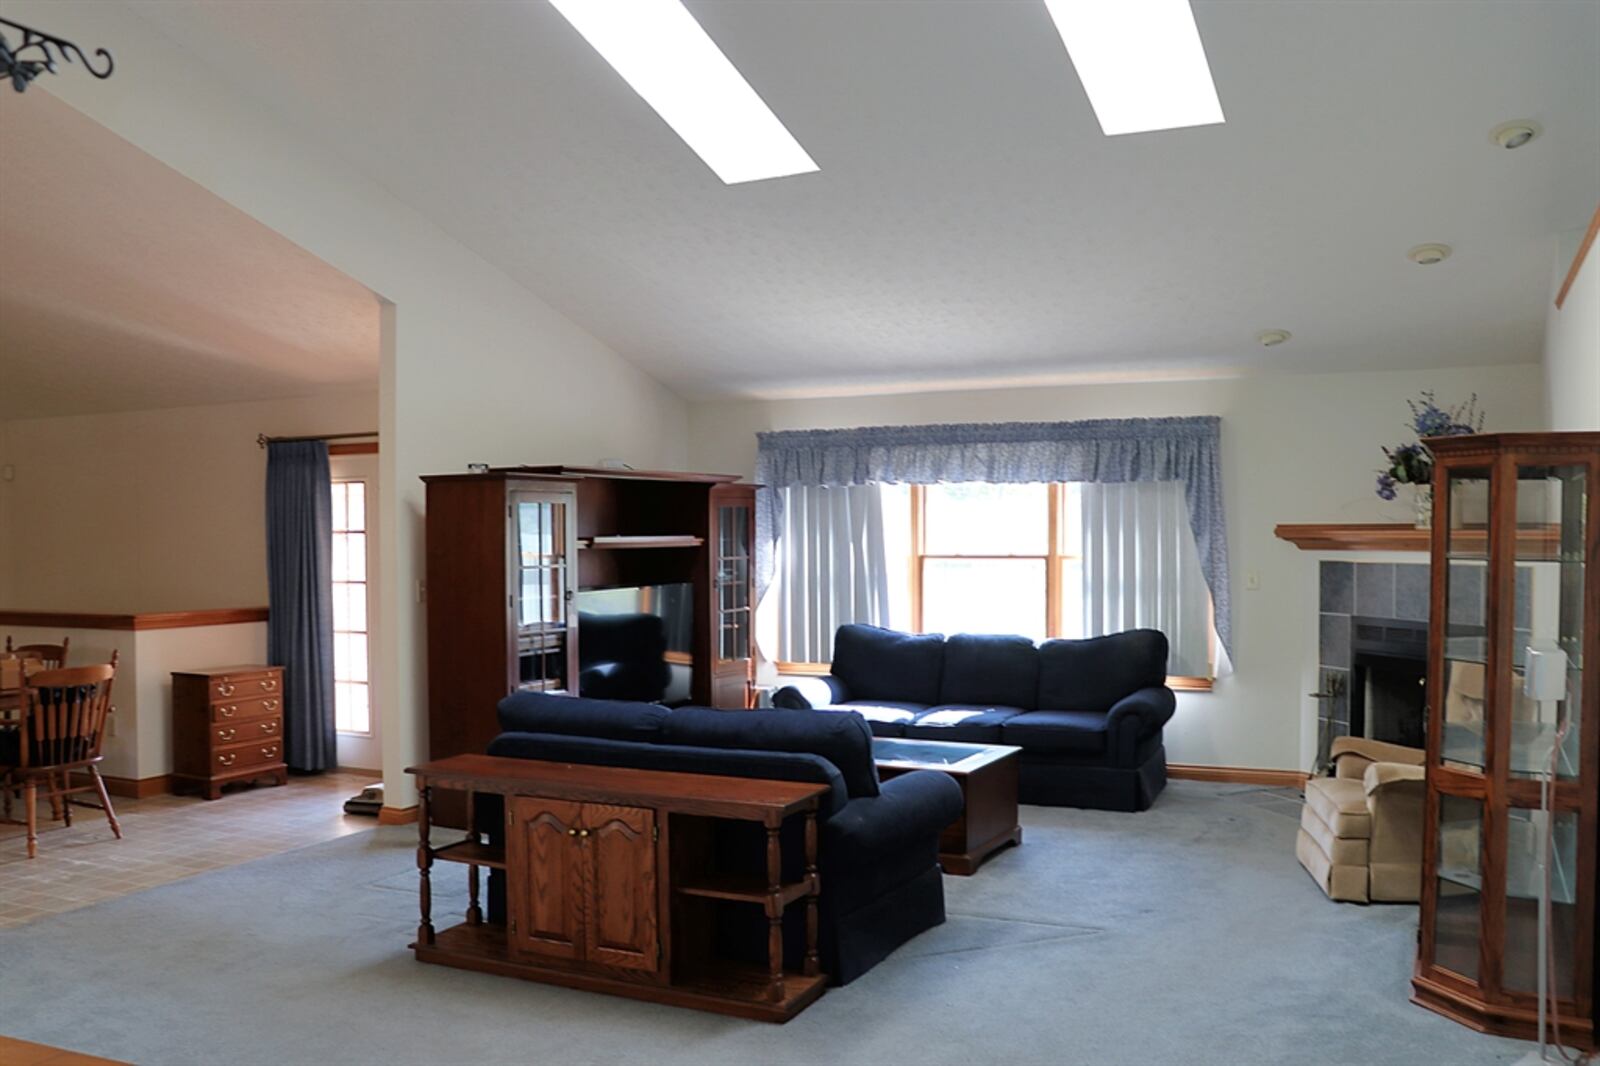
(227, 734)
(224, 689)
(227, 759)
(270, 705)
(269, 728)
(268, 685)
(270, 752)
(227, 712)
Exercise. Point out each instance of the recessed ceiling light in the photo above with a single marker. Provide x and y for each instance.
(1141, 63)
(1516, 133)
(1271, 338)
(1429, 254)
(660, 50)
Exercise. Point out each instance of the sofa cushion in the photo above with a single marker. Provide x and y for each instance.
(1000, 670)
(1093, 674)
(540, 712)
(886, 718)
(842, 739)
(966, 722)
(1068, 732)
(881, 664)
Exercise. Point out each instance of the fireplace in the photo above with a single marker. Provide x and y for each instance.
(1388, 680)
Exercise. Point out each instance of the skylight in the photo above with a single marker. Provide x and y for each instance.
(1140, 61)
(661, 51)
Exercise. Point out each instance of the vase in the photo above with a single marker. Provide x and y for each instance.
(1422, 505)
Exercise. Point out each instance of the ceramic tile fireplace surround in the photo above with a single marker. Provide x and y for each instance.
(1373, 646)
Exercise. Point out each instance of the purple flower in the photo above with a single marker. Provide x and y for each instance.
(1385, 487)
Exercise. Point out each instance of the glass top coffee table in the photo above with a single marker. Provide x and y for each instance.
(987, 774)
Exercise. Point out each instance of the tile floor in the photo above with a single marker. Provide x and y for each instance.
(166, 838)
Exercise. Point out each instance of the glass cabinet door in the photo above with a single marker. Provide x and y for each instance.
(1547, 634)
(540, 589)
(733, 583)
(1457, 920)
(1466, 634)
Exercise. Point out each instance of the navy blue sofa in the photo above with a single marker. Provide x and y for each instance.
(1087, 714)
(878, 841)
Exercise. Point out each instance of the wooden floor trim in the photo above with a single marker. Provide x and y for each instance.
(1238, 775)
(131, 787)
(397, 815)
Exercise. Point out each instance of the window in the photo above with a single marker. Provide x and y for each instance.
(352, 707)
(1011, 559)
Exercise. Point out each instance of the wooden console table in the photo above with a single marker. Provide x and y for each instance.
(611, 884)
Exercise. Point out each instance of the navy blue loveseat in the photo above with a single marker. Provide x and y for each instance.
(1087, 714)
(878, 842)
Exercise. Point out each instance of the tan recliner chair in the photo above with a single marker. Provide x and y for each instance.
(1361, 829)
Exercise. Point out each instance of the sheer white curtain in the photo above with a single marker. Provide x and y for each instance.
(1141, 569)
(842, 555)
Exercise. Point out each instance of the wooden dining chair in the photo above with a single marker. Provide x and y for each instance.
(62, 726)
(50, 656)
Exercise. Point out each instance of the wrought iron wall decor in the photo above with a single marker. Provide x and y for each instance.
(39, 52)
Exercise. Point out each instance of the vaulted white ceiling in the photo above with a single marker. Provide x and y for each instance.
(970, 222)
(126, 286)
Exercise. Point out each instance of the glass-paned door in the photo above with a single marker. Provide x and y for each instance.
(541, 585)
(356, 622)
(734, 610)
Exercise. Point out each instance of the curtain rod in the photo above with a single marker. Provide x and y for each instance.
(262, 440)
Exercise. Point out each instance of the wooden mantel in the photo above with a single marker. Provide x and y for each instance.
(1533, 541)
(1359, 537)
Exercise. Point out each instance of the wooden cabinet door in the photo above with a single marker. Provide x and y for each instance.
(545, 863)
(620, 926)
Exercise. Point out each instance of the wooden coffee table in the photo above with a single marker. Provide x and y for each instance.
(987, 774)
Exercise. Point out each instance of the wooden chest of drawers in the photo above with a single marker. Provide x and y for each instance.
(227, 725)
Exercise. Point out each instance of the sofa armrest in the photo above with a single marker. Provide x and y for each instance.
(1150, 708)
(804, 693)
(1375, 751)
(912, 806)
(1383, 775)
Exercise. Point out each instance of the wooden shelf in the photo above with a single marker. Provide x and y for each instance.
(473, 853)
(1534, 543)
(741, 888)
(1362, 537)
(624, 543)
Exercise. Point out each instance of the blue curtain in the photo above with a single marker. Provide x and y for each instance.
(300, 626)
(1104, 450)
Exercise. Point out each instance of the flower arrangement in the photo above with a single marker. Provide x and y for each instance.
(1412, 464)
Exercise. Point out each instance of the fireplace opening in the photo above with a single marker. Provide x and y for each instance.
(1388, 690)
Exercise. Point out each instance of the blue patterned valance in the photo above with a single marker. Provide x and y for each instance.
(1102, 450)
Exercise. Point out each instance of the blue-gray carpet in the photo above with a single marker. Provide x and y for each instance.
(1187, 934)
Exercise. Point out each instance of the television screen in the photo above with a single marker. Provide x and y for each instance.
(636, 643)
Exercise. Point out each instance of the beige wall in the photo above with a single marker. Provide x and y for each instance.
(149, 511)
(1294, 449)
(475, 367)
(1572, 342)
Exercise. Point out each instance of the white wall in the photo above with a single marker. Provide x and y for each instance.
(475, 368)
(1294, 449)
(147, 511)
(1572, 342)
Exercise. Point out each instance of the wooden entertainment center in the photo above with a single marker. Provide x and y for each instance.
(609, 886)
(509, 551)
